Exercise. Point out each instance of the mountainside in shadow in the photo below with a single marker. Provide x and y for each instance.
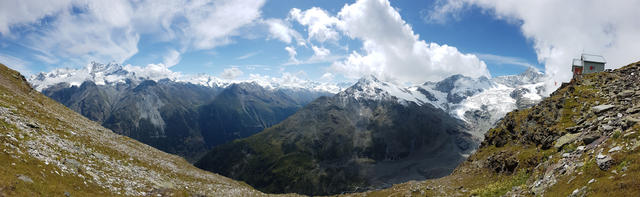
(353, 141)
(242, 110)
(162, 114)
(177, 117)
(583, 140)
(50, 150)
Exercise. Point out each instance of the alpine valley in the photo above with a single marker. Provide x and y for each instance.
(374, 134)
(368, 136)
(181, 116)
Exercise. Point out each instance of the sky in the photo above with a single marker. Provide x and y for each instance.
(320, 40)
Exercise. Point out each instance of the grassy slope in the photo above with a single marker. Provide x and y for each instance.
(61, 151)
(526, 144)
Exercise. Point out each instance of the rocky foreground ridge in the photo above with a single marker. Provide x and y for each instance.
(583, 140)
(47, 149)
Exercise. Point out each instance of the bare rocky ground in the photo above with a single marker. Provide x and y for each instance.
(47, 149)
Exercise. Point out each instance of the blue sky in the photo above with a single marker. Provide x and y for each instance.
(235, 39)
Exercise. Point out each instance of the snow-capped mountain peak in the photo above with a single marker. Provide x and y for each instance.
(371, 88)
(530, 76)
(458, 95)
(113, 73)
(110, 68)
(100, 74)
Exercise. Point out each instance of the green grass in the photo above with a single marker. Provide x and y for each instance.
(617, 134)
(569, 148)
(502, 187)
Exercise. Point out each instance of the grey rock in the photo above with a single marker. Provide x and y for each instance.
(614, 149)
(604, 161)
(579, 192)
(100, 156)
(33, 125)
(565, 139)
(626, 93)
(607, 127)
(635, 145)
(629, 134)
(72, 163)
(573, 129)
(631, 121)
(24, 178)
(601, 108)
(633, 110)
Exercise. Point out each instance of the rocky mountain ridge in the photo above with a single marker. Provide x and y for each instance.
(583, 140)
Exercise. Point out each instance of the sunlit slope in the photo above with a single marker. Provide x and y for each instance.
(50, 150)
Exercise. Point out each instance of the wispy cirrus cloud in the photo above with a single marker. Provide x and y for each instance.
(505, 60)
(248, 55)
(15, 63)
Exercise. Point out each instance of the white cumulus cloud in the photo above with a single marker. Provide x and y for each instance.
(320, 25)
(392, 51)
(320, 52)
(292, 55)
(282, 31)
(172, 58)
(231, 73)
(327, 77)
(152, 72)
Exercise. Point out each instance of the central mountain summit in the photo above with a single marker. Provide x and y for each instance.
(372, 135)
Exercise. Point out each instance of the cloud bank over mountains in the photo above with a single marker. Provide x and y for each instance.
(562, 30)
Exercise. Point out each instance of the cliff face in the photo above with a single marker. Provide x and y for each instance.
(583, 140)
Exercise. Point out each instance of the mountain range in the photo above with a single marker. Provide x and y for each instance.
(180, 117)
(368, 136)
(374, 134)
